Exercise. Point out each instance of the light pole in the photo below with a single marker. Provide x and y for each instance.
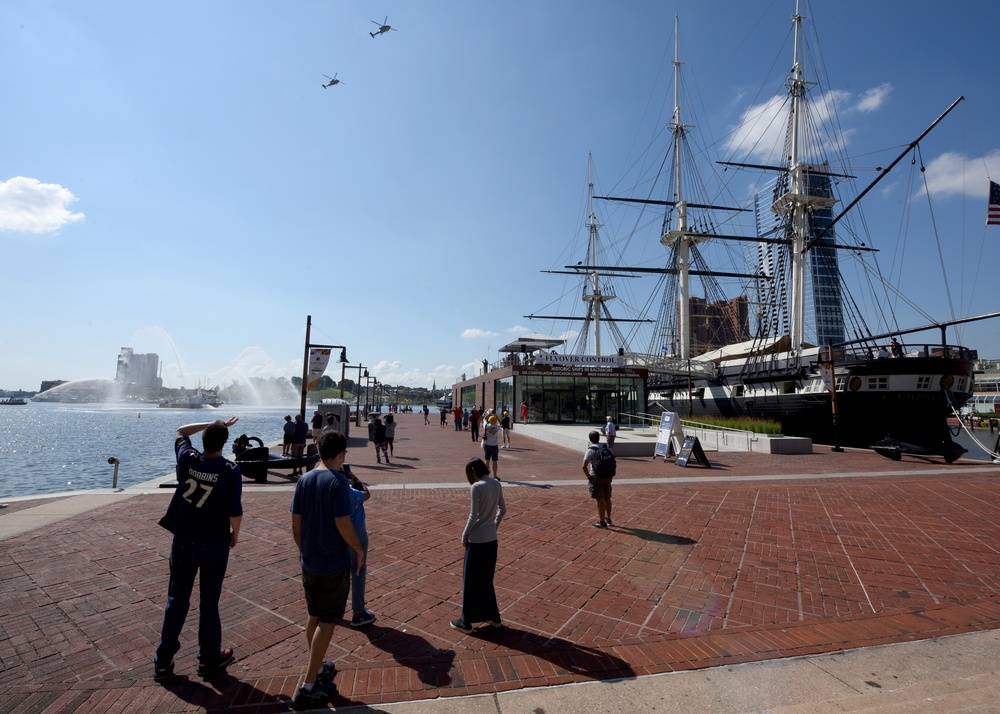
(357, 389)
(305, 365)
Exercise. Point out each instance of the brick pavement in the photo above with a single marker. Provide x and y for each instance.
(697, 572)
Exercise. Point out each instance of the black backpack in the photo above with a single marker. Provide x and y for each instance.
(603, 462)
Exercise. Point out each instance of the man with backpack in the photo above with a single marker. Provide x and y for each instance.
(599, 467)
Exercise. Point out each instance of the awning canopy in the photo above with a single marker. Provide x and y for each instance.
(530, 343)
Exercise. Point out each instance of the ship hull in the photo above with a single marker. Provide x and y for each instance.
(906, 400)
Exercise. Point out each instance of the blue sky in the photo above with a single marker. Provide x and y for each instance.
(175, 179)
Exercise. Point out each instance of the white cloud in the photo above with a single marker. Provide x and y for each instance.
(517, 329)
(474, 333)
(872, 99)
(952, 174)
(29, 206)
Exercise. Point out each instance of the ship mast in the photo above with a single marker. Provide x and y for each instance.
(595, 299)
(680, 235)
(799, 202)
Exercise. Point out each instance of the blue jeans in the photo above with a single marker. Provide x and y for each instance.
(186, 559)
(358, 581)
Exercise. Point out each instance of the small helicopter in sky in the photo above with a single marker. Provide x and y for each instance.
(382, 28)
(333, 80)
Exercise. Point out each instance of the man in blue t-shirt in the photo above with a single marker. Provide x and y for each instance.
(321, 525)
(204, 515)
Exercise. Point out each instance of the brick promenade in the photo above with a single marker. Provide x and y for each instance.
(760, 557)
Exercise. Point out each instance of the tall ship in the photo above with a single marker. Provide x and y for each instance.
(792, 345)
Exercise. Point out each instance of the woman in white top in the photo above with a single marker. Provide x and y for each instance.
(479, 598)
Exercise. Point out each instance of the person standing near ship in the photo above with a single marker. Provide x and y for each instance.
(204, 516)
(299, 435)
(610, 431)
(286, 439)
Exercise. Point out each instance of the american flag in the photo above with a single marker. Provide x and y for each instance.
(993, 214)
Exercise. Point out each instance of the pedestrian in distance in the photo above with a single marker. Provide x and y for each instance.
(610, 432)
(359, 575)
(475, 416)
(465, 419)
(524, 412)
(317, 425)
(505, 425)
(390, 435)
(491, 442)
(321, 526)
(299, 435)
(204, 516)
(444, 416)
(427, 415)
(377, 437)
(457, 414)
(286, 438)
(599, 467)
(479, 598)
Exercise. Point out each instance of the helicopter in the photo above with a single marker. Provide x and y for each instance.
(382, 28)
(333, 80)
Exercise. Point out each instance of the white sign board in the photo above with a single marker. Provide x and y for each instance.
(670, 433)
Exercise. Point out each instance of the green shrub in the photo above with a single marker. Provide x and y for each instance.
(757, 426)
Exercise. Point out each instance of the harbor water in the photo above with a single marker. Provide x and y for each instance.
(53, 447)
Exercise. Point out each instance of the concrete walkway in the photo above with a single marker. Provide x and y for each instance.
(822, 582)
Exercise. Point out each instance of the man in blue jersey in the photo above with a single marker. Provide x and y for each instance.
(321, 525)
(204, 515)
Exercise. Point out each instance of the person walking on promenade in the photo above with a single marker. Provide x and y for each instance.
(427, 415)
(505, 425)
(524, 412)
(317, 425)
(610, 430)
(204, 515)
(491, 442)
(457, 414)
(600, 483)
(359, 575)
(321, 526)
(299, 435)
(474, 419)
(479, 597)
(286, 438)
(390, 435)
(376, 434)
(465, 419)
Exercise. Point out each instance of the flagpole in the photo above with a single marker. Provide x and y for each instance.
(305, 368)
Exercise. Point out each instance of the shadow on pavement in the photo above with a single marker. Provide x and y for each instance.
(432, 665)
(574, 658)
(655, 537)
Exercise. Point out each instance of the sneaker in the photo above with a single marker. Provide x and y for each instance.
(162, 673)
(600, 524)
(226, 658)
(366, 618)
(326, 673)
(461, 625)
(314, 698)
(495, 624)
(608, 521)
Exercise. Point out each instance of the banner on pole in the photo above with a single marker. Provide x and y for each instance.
(319, 358)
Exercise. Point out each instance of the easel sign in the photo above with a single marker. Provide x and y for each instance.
(669, 436)
(692, 447)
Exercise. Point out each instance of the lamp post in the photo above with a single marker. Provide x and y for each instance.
(357, 389)
(305, 365)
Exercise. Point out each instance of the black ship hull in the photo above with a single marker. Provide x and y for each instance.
(905, 400)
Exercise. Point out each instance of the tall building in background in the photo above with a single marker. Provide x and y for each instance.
(824, 271)
(137, 369)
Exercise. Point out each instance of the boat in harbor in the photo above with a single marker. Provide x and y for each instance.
(197, 399)
(12, 401)
(791, 345)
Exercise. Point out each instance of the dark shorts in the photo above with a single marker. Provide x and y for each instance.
(491, 453)
(600, 488)
(326, 595)
(287, 439)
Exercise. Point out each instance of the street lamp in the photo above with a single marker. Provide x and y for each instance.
(305, 365)
(357, 389)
